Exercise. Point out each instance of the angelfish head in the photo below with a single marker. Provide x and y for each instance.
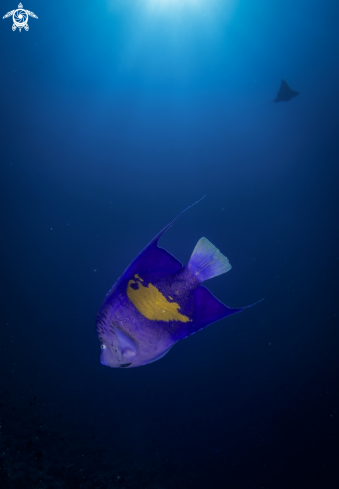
(118, 349)
(109, 356)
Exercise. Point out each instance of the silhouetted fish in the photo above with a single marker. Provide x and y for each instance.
(285, 93)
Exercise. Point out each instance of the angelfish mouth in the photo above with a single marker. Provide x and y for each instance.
(123, 365)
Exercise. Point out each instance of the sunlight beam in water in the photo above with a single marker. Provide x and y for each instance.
(172, 8)
(175, 6)
(171, 41)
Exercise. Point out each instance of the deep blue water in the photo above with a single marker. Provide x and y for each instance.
(115, 116)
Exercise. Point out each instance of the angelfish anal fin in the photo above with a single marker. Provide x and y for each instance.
(208, 309)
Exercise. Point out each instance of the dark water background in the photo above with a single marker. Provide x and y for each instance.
(115, 116)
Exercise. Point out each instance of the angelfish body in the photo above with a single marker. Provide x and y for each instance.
(157, 302)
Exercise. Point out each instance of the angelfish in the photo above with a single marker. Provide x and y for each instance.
(157, 302)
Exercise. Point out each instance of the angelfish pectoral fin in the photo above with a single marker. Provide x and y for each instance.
(127, 344)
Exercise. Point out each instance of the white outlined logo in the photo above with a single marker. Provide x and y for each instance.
(20, 18)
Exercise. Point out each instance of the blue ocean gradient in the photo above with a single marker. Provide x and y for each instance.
(116, 116)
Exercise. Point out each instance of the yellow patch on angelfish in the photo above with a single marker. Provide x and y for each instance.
(152, 304)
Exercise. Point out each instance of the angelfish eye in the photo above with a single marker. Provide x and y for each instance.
(103, 347)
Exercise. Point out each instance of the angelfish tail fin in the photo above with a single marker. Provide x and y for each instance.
(207, 261)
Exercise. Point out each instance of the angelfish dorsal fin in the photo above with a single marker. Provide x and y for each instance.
(207, 261)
